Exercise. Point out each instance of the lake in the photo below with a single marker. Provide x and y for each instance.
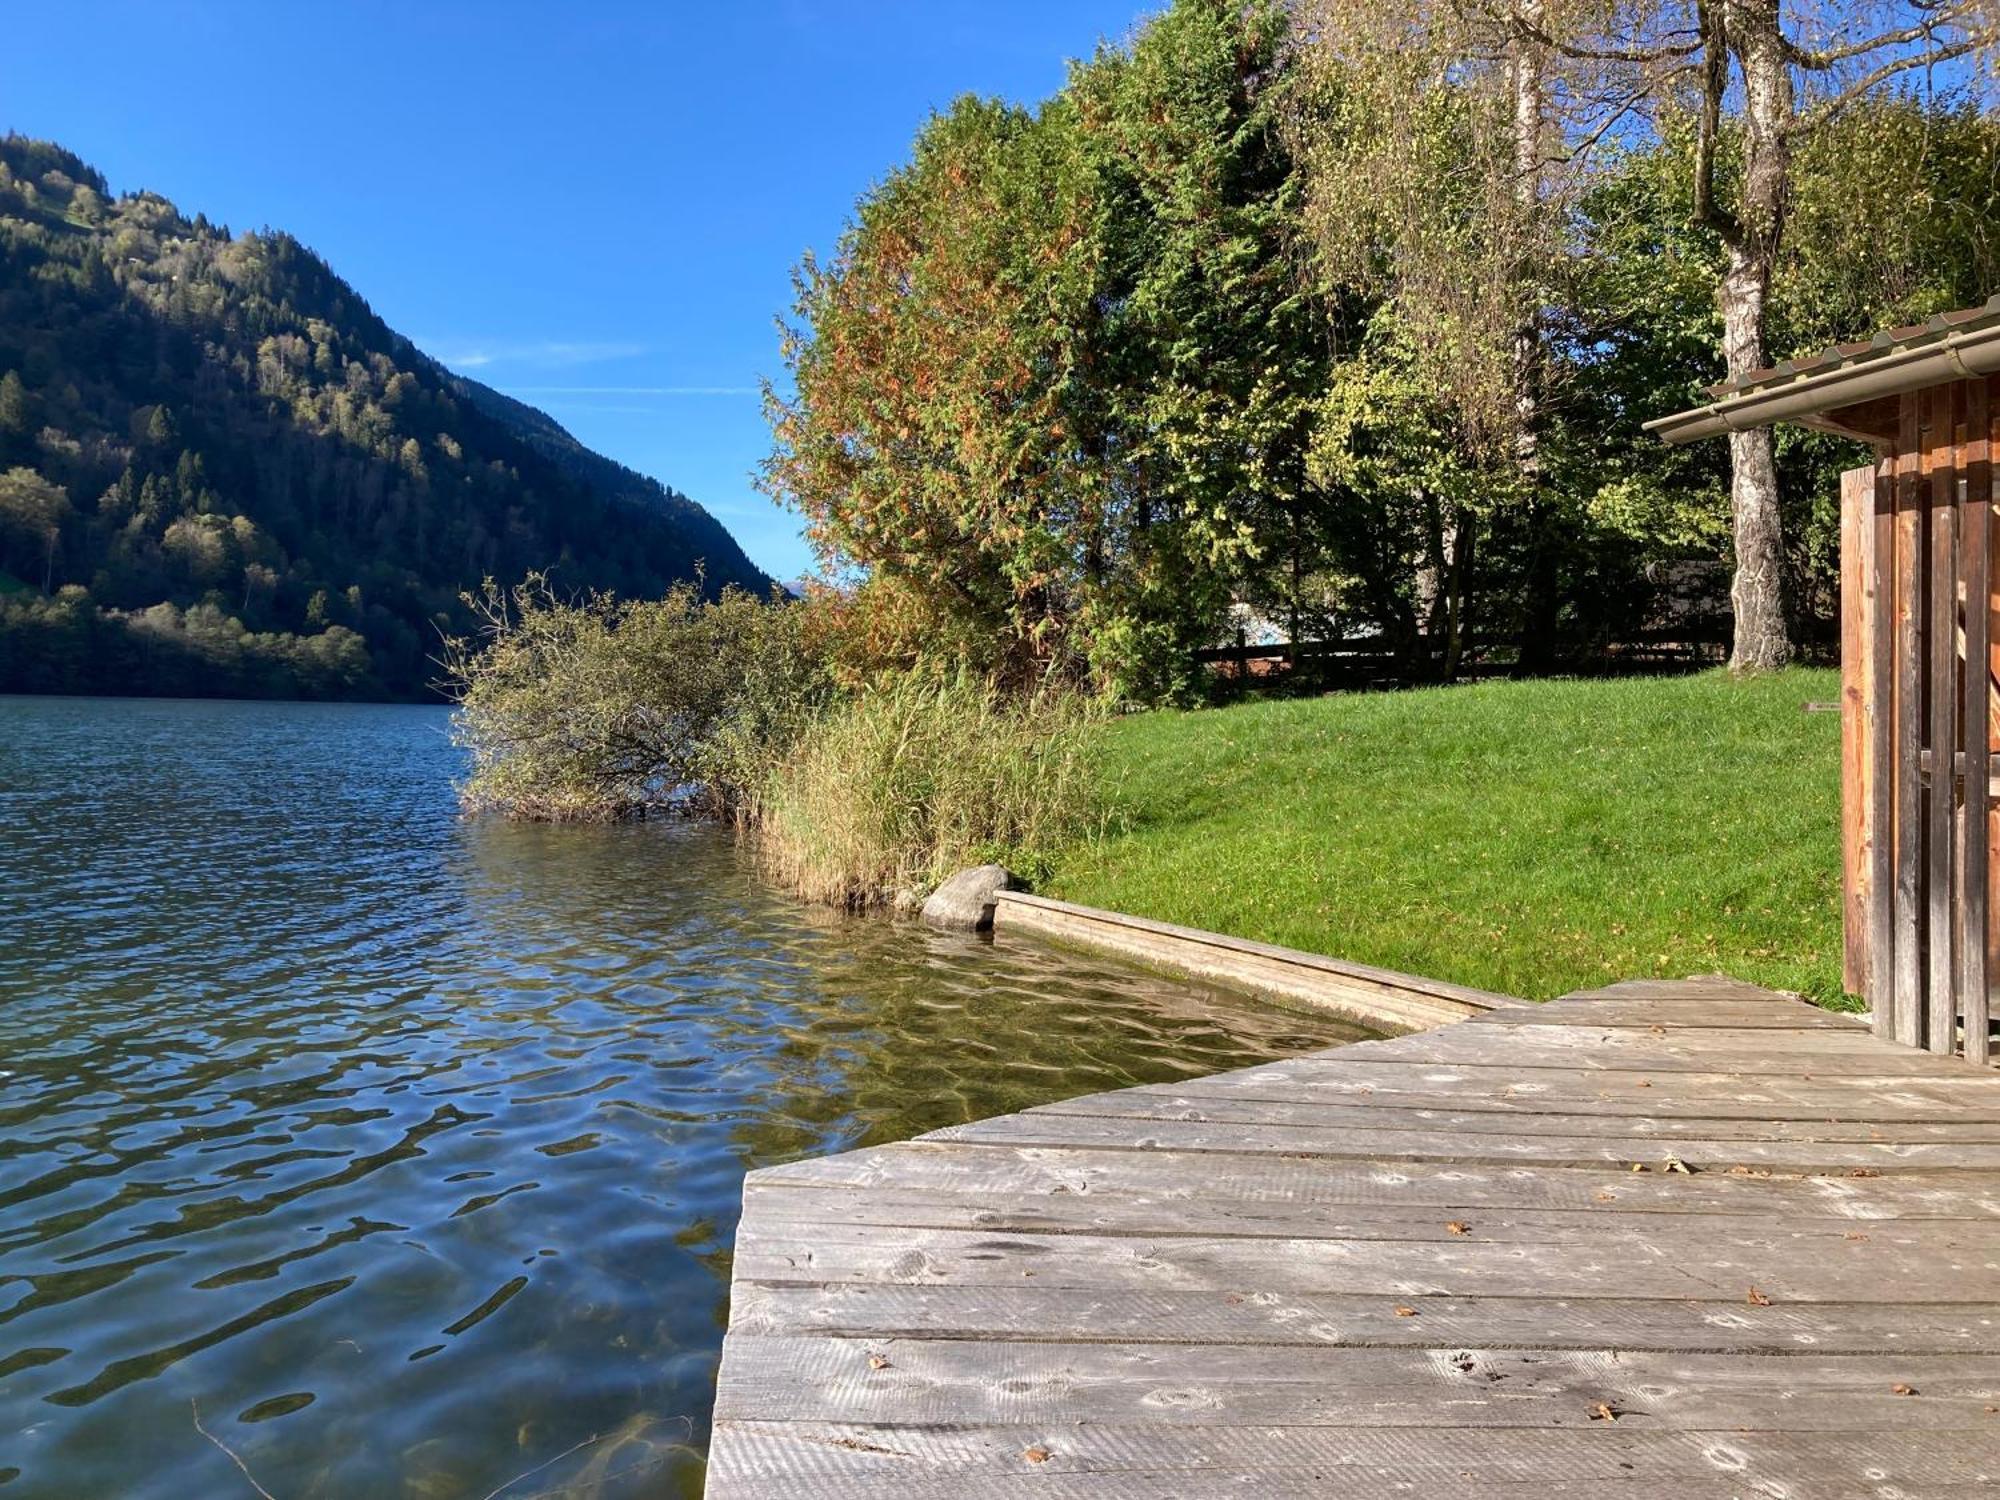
(386, 1153)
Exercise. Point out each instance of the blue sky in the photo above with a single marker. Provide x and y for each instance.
(593, 206)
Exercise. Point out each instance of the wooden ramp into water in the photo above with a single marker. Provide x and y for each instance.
(1664, 1239)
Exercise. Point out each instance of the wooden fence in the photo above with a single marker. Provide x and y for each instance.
(1918, 656)
(1366, 661)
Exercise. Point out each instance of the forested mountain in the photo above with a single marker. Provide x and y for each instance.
(222, 473)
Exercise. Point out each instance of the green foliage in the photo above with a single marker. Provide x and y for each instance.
(602, 708)
(1528, 837)
(1255, 313)
(923, 774)
(1054, 384)
(234, 428)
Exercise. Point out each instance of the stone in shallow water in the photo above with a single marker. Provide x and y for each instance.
(964, 903)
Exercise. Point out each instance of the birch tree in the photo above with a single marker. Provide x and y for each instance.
(1444, 143)
(1759, 76)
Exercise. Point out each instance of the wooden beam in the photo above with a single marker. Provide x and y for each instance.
(1866, 421)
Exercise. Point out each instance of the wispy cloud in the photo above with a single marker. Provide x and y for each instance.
(477, 354)
(635, 390)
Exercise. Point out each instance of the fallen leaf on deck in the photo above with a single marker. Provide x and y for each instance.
(1757, 1298)
(1603, 1412)
(878, 1362)
(1036, 1455)
(1406, 1312)
(1903, 1390)
(1459, 1226)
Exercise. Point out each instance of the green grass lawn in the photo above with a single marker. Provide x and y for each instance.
(1528, 837)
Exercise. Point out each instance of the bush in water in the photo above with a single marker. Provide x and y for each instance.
(598, 708)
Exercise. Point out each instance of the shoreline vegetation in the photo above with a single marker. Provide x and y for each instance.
(857, 790)
(1529, 837)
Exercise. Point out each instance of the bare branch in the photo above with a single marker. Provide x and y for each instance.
(1714, 66)
(1834, 105)
(1823, 59)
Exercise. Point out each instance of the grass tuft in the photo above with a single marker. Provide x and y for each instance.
(896, 788)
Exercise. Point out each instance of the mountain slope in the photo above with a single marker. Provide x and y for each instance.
(222, 473)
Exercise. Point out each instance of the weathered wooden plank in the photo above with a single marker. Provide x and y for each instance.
(1962, 1095)
(1605, 1227)
(1734, 1015)
(1174, 1102)
(938, 1381)
(1975, 855)
(998, 1170)
(1811, 1054)
(1682, 1266)
(1857, 504)
(1909, 917)
(1700, 987)
(1935, 1080)
(1878, 542)
(1776, 1104)
(814, 1460)
(1375, 997)
(1941, 646)
(1049, 1128)
(1314, 1319)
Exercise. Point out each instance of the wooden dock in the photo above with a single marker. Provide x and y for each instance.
(1664, 1239)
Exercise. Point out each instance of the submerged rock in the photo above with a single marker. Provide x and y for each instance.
(964, 903)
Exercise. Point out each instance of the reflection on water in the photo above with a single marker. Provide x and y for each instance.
(404, 1152)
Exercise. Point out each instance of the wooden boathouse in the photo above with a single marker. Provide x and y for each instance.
(1663, 1239)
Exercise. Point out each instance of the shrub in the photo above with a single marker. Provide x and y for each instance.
(896, 786)
(599, 708)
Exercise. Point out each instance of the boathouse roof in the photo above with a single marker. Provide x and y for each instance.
(1849, 388)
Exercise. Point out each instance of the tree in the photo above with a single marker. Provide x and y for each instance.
(1445, 147)
(930, 439)
(1763, 78)
(258, 579)
(30, 504)
(1055, 389)
(13, 405)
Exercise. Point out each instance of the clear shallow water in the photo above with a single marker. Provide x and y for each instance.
(406, 1151)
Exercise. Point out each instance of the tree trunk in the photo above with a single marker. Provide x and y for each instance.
(1459, 587)
(1757, 590)
(1528, 80)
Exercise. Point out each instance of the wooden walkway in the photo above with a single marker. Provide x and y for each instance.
(1688, 1239)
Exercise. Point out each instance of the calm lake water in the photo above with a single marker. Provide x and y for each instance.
(404, 1152)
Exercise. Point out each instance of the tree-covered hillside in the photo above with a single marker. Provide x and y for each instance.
(222, 473)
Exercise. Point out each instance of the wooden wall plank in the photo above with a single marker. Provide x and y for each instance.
(1878, 544)
(1940, 641)
(1857, 507)
(1976, 554)
(1908, 987)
